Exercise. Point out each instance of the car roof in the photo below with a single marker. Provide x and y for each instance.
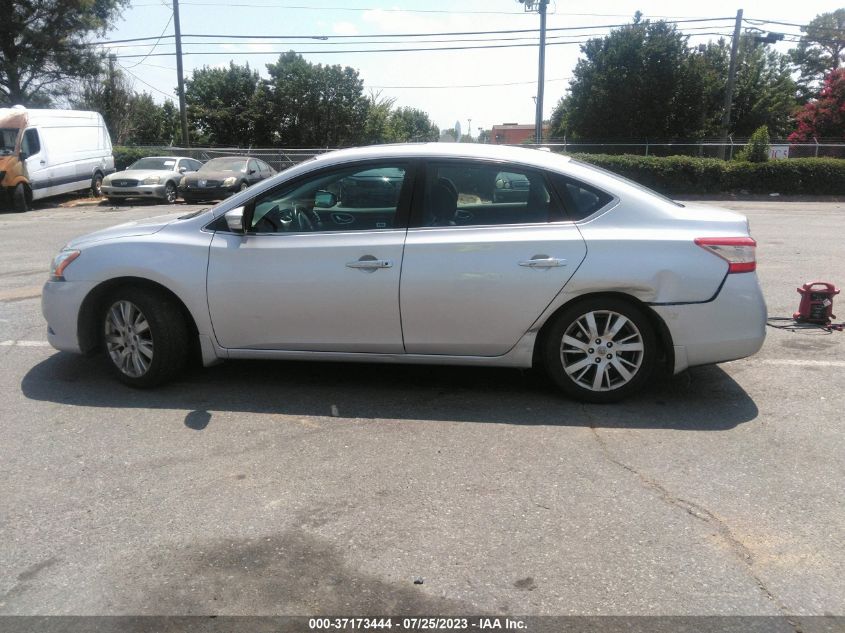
(508, 153)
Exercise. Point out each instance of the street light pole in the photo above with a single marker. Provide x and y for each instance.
(183, 115)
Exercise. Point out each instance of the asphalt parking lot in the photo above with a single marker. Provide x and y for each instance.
(300, 488)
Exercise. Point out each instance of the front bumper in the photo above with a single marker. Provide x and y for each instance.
(60, 305)
(207, 193)
(731, 326)
(139, 191)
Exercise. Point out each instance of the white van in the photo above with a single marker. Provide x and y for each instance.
(49, 152)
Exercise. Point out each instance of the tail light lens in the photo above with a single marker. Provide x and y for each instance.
(739, 252)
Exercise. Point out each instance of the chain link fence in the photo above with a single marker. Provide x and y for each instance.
(282, 158)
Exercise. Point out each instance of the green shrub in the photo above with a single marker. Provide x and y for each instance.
(690, 175)
(125, 156)
(758, 148)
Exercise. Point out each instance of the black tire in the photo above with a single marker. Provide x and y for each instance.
(166, 337)
(97, 185)
(601, 361)
(170, 193)
(114, 201)
(20, 198)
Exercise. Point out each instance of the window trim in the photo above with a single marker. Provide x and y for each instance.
(403, 208)
(37, 138)
(418, 208)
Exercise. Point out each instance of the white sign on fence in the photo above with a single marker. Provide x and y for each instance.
(778, 151)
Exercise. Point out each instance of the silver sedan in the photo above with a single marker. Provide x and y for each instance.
(408, 254)
(154, 177)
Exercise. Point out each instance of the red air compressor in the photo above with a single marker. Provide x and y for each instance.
(816, 303)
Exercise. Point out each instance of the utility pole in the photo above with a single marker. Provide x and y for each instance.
(183, 114)
(729, 90)
(541, 76)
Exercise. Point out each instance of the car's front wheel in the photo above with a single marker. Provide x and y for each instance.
(144, 336)
(601, 349)
(170, 193)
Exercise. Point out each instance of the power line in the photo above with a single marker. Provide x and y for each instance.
(496, 85)
(373, 50)
(169, 96)
(395, 35)
(169, 20)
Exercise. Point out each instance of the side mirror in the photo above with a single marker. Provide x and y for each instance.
(182, 170)
(23, 155)
(235, 219)
(324, 199)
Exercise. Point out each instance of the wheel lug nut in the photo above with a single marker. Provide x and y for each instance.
(598, 341)
(598, 360)
(609, 345)
(591, 351)
(609, 356)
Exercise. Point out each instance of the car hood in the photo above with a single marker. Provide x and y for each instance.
(136, 228)
(138, 174)
(213, 175)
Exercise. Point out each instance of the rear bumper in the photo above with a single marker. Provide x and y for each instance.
(60, 304)
(731, 326)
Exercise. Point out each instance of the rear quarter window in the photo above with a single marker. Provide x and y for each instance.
(580, 200)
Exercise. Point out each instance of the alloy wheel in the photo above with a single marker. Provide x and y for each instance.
(129, 340)
(602, 350)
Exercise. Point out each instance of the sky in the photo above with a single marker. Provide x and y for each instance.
(478, 88)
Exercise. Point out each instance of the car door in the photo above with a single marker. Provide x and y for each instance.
(38, 169)
(477, 272)
(292, 282)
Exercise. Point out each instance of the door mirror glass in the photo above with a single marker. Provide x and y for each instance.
(324, 199)
(235, 220)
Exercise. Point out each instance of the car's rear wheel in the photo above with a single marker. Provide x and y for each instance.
(170, 193)
(601, 349)
(145, 336)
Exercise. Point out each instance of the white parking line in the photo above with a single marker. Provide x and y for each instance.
(24, 344)
(803, 363)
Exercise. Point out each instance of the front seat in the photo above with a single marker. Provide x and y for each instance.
(443, 203)
(537, 206)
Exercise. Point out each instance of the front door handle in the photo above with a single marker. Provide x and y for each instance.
(369, 263)
(543, 261)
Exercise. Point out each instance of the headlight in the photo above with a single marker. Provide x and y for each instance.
(231, 180)
(60, 262)
(152, 180)
(183, 181)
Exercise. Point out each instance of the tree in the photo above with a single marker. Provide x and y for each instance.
(315, 105)
(644, 81)
(636, 82)
(43, 45)
(411, 125)
(378, 116)
(825, 116)
(758, 148)
(224, 105)
(820, 51)
(109, 92)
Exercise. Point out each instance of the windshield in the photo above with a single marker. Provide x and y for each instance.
(225, 164)
(8, 136)
(161, 164)
(628, 181)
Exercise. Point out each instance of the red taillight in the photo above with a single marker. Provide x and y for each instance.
(739, 252)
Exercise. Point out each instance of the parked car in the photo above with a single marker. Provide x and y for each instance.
(46, 153)
(221, 177)
(594, 277)
(151, 177)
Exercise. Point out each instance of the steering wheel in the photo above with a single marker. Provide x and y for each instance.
(301, 221)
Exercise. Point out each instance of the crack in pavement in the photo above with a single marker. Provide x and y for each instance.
(697, 511)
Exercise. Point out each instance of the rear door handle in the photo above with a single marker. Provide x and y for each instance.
(543, 261)
(370, 263)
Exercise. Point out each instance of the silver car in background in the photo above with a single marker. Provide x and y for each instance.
(154, 177)
(406, 253)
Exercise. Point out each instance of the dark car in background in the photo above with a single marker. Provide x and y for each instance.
(221, 177)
